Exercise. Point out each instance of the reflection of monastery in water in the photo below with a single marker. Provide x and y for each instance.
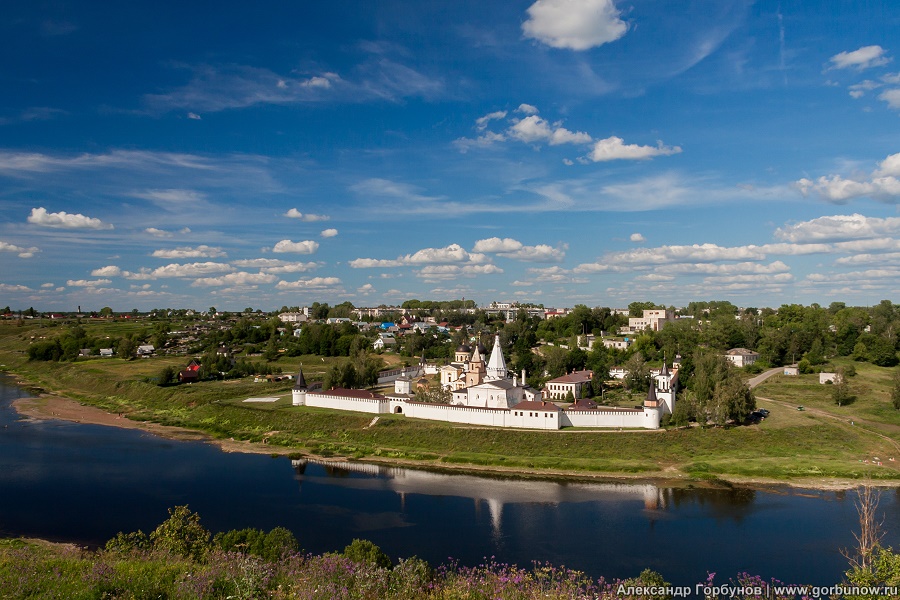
(494, 492)
(489, 395)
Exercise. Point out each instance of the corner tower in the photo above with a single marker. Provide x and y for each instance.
(298, 393)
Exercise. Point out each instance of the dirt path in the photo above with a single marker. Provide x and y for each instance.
(843, 421)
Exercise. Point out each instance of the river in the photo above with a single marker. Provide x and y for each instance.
(83, 483)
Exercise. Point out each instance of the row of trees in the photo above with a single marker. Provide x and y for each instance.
(70, 342)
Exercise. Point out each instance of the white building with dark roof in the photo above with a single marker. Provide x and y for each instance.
(574, 382)
(741, 357)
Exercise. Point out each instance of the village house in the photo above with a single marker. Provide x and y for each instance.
(617, 343)
(145, 350)
(741, 357)
(385, 341)
(190, 373)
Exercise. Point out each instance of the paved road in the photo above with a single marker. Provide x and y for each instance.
(755, 381)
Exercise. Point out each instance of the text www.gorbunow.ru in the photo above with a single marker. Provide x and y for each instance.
(760, 591)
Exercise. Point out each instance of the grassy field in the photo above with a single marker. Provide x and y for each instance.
(819, 442)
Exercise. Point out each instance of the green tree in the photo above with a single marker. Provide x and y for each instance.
(636, 309)
(125, 347)
(364, 551)
(48, 351)
(895, 390)
(882, 352)
(840, 389)
(166, 375)
(437, 394)
(637, 373)
(683, 412)
(106, 311)
(650, 579)
(816, 354)
(126, 543)
(182, 534)
(271, 546)
(717, 392)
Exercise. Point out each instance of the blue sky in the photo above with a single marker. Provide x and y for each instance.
(160, 154)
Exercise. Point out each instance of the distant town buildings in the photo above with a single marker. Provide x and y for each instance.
(652, 319)
(295, 317)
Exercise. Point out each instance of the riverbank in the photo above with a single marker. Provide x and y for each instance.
(46, 407)
(56, 407)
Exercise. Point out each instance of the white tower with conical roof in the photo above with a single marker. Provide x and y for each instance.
(496, 368)
(298, 394)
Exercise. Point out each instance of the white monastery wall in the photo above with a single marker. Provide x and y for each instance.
(367, 405)
(647, 418)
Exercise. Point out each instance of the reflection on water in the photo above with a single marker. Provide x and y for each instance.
(84, 483)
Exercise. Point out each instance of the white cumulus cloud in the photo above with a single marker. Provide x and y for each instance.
(535, 129)
(19, 250)
(308, 217)
(304, 247)
(108, 271)
(615, 148)
(863, 58)
(510, 248)
(838, 227)
(637, 238)
(883, 184)
(329, 233)
(160, 233)
(574, 24)
(87, 283)
(454, 253)
(179, 270)
(892, 97)
(496, 244)
(64, 220)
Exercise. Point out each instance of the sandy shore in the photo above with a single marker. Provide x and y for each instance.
(66, 409)
(57, 407)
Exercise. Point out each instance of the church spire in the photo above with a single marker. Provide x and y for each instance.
(496, 368)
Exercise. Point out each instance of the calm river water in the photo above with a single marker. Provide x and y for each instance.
(83, 483)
